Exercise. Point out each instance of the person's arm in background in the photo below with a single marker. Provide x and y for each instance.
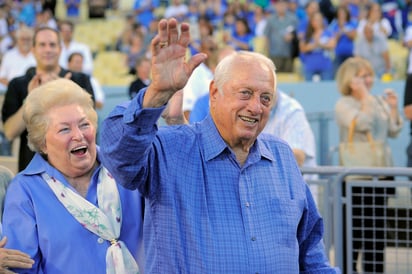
(13, 124)
(387, 60)
(11, 258)
(12, 113)
(173, 114)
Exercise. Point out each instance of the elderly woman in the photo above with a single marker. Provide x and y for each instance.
(379, 116)
(65, 210)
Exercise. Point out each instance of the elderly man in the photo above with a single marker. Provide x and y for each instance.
(220, 198)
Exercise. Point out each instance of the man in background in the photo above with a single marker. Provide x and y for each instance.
(46, 50)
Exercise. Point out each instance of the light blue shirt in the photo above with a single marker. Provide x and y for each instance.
(288, 122)
(204, 212)
(37, 223)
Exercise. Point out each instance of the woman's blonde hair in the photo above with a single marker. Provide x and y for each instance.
(60, 92)
(348, 70)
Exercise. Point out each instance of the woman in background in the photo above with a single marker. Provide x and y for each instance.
(316, 47)
(378, 115)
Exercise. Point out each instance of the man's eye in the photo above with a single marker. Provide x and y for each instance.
(266, 99)
(245, 94)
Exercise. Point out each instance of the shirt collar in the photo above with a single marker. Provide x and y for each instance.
(213, 144)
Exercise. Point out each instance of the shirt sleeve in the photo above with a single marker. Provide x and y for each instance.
(13, 99)
(296, 126)
(19, 224)
(312, 256)
(126, 139)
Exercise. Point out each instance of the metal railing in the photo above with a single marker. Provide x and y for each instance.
(336, 184)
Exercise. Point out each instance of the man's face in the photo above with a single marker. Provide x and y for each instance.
(76, 63)
(242, 108)
(66, 32)
(25, 42)
(47, 49)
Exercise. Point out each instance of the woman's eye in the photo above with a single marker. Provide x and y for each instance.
(84, 125)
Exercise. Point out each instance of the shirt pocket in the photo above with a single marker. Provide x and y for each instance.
(287, 215)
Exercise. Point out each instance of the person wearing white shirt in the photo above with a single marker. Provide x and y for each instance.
(200, 79)
(17, 60)
(176, 9)
(69, 46)
(381, 25)
(75, 63)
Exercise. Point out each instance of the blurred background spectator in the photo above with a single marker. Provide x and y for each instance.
(69, 45)
(75, 63)
(344, 29)
(17, 60)
(143, 76)
(374, 48)
(316, 47)
(279, 32)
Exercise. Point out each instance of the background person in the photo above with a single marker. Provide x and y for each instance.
(46, 50)
(69, 45)
(75, 64)
(143, 68)
(288, 122)
(17, 60)
(380, 117)
(65, 210)
(220, 211)
(315, 48)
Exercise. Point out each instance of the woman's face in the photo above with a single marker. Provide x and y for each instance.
(317, 21)
(70, 143)
(367, 77)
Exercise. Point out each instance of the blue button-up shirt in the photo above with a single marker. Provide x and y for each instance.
(204, 212)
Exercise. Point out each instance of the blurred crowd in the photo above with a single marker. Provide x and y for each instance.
(316, 35)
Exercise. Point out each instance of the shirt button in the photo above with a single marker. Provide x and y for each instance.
(247, 204)
(100, 240)
(253, 238)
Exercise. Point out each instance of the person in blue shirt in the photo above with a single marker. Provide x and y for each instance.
(242, 36)
(220, 197)
(144, 11)
(315, 49)
(9, 258)
(344, 29)
(64, 209)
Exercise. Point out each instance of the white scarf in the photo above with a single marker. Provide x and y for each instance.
(104, 221)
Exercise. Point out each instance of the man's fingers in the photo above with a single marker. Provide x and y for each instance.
(173, 31)
(184, 34)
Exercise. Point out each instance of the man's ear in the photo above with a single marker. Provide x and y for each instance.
(213, 91)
